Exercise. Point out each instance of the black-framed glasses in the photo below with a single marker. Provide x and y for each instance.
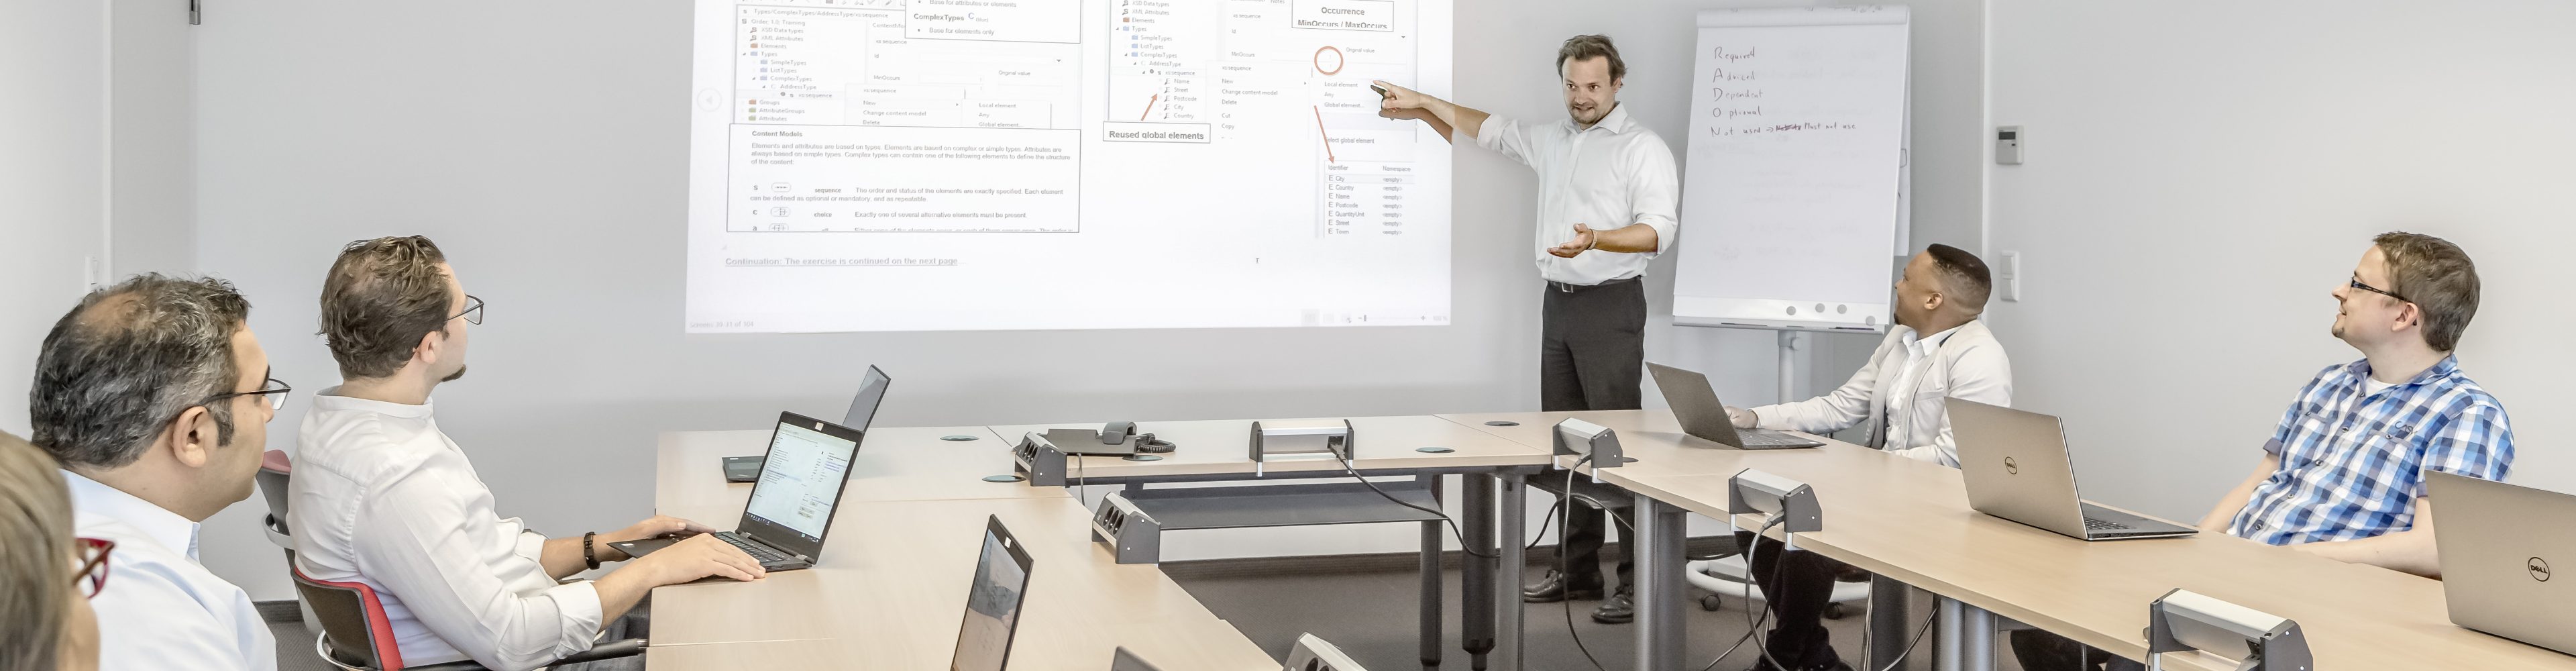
(473, 313)
(2356, 283)
(92, 574)
(274, 389)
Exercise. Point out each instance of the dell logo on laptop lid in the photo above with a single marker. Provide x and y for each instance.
(2539, 569)
(2011, 468)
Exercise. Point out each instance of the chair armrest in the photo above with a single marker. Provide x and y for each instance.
(627, 647)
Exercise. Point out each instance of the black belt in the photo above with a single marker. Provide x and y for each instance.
(1571, 288)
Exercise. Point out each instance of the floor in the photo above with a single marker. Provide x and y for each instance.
(1354, 612)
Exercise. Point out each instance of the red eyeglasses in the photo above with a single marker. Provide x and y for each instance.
(92, 575)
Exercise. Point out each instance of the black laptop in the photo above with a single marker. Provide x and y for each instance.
(792, 504)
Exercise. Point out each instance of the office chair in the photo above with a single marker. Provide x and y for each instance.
(350, 629)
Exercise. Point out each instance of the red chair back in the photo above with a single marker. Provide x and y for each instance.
(354, 619)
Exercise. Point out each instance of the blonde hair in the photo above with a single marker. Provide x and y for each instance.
(35, 556)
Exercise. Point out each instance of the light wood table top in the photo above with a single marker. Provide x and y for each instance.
(1223, 447)
(894, 464)
(1651, 437)
(890, 593)
(1910, 521)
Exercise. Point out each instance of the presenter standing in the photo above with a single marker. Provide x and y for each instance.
(1606, 197)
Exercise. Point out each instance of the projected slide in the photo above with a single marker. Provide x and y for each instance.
(883, 165)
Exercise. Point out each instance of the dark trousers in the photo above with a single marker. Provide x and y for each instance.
(1591, 356)
(1796, 586)
(2042, 651)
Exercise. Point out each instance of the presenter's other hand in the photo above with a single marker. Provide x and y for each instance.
(697, 557)
(1744, 419)
(1400, 98)
(1583, 239)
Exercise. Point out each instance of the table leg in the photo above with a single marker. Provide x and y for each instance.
(1513, 506)
(1476, 618)
(1432, 544)
(1967, 637)
(1887, 613)
(1658, 551)
(1950, 651)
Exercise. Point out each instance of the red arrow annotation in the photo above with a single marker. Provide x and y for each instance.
(1328, 138)
(1149, 107)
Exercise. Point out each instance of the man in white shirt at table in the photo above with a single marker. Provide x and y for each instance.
(382, 497)
(1901, 395)
(155, 398)
(1598, 169)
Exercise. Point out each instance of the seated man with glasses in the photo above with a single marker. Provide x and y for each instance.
(2342, 476)
(155, 398)
(382, 496)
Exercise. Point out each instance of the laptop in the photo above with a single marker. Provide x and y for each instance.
(1000, 584)
(863, 409)
(2017, 468)
(1704, 417)
(792, 504)
(2498, 544)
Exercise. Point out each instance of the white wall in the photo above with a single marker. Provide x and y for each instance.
(2201, 174)
(540, 144)
(53, 187)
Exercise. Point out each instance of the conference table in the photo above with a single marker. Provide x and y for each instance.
(1909, 522)
(889, 590)
(1491, 499)
(891, 587)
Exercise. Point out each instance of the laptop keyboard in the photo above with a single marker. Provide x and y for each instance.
(757, 551)
(1769, 438)
(2103, 525)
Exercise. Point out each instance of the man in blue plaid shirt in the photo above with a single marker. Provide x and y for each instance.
(2343, 475)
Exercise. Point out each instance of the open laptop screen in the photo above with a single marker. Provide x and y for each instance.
(993, 602)
(863, 407)
(801, 479)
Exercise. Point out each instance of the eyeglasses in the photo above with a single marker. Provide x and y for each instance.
(92, 574)
(2356, 283)
(274, 389)
(473, 313)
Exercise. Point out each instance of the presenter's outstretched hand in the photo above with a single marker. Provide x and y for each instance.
(1583, 240)
(1744, 419)
(697, 557)
(1399, 98)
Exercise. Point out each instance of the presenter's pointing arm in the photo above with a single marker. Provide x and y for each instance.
(1444, 116)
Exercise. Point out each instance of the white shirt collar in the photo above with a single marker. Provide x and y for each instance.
(1922, 345)
(331, 400)
(172, 531)
(1616, 122)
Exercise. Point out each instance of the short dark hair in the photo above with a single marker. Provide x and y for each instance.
(2438, 278)
(1588, 47)
(117, 368)
(1963, 274)
(382, 295)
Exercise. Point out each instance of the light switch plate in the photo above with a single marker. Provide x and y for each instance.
(2008, 145)
(2010, 270)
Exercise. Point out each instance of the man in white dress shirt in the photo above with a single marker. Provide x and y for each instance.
(382, 497)
(1606, 199)
(1901, 395)
(155, 397)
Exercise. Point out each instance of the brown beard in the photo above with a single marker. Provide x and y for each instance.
(451, 377)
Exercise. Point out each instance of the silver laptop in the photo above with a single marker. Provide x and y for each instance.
(1702, 416)
(2498, 544)
(2017, 468)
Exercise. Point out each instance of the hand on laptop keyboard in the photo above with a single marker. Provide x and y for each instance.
(693, 558)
